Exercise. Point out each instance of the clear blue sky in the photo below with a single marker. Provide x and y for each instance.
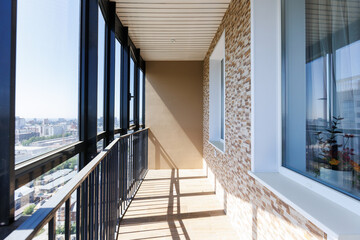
(47, 60)
(101, 60)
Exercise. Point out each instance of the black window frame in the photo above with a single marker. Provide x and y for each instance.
(20, 174)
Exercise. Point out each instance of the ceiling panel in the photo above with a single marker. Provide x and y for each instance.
(170, 30)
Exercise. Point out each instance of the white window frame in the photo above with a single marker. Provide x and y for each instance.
(217, 77)
(266, 134)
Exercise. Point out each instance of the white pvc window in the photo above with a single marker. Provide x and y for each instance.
(217, 95)
(321, 82)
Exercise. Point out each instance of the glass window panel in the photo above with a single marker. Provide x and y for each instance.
(47, 70)
(222, 83)
(101, 66)
(132, 91)
(100, 145)
(117, 83)
(322, 92)
(34, 194)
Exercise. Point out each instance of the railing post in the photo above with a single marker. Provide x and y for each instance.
(67, 220)
(78, 212)
(7, 109)
(52, 229)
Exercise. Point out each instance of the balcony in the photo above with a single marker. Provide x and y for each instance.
(176, 204)
(180, 119)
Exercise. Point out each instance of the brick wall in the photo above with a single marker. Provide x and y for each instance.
(256, 213)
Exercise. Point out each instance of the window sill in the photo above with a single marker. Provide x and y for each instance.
(336, 221)
(220, 145)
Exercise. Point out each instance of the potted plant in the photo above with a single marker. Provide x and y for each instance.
(337, 164)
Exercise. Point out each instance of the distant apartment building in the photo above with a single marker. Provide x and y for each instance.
(25, 134)
(23, 196)
(54, 184)
(19, 122)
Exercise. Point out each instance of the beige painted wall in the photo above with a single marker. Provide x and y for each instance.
(173, 112)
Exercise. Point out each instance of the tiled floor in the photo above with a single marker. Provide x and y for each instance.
(175, 204)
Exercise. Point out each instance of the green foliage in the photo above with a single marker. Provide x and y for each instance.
(29, 209)
(336, 155)
(73, 228)
(36, 139)
(69, 164)
(60, 229)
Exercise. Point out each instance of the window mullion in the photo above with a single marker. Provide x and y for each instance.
(7, 106)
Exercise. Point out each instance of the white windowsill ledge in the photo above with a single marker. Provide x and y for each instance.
(218, 144)
(336, 221)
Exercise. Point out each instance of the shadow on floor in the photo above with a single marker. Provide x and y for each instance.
(170, 212)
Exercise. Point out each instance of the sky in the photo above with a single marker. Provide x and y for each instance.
(47, 59)
(101, 60)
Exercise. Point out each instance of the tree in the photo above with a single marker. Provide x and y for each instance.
(60, 229)
(29, 209)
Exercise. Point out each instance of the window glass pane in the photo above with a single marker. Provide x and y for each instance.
(222, 99)
(322, 91)
(47, 69)
(141, 97)
(132, 90)
(100, 145)
(31, 196)
(117, 83)
(101, 66)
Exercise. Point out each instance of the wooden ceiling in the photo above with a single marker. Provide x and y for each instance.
(171, 30)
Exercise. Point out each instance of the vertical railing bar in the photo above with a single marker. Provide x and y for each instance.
(108, 158)
(67, 219)
(102, 200)
(91, 205)
(133, 167)
(113, 191)
(120, 178)
(86, 208)
(123, 160)
(52, 227)
(130, 172)
(105, 197)
(83, 206)
(117, 177)
(96, 214)
(108, 202)
(78, 212)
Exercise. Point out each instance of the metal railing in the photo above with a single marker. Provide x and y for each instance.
(105, 188)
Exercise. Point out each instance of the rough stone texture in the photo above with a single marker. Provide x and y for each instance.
(256, 212)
